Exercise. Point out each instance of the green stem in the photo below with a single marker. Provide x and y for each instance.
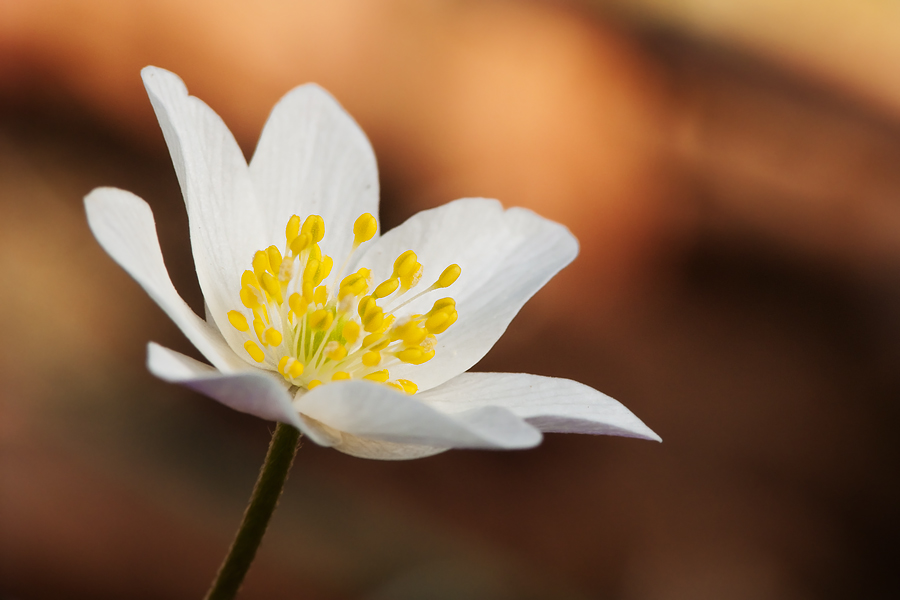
(272, 476)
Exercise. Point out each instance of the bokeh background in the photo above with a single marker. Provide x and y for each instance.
(732, 169)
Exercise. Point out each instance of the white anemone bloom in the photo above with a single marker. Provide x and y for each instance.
(359, 340)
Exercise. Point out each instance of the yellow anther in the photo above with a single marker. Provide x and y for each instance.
(442, 303)
(254, 351)
(321, 295)
(373, 319)
(441, 327)
(379, 376)
(238, 320)
(313, 384)
(321, 319)
(448, 277)
(295, 369)
(260, 263)
(298, 304)
(300, 243)
(351, 332)
(315, 252)
(324, 271)
(410, 281)
(355, 284)
(309, 273)
(335, 350)
(249, 279)
(396, 386)
(282, 364)
(260, 328)
(415, 355)
(274, 255)
(364, 229)
(413, 335)
(405, 264)
(340, 376)
(292, 230)
(314, 225)
(376, 341)
(309, 291)
(249, 298)
(273, 337)
(408, 386)
(365, 304)
(370, 359)
(386, 288)
(271, 284)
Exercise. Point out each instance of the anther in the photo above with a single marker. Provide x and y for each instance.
(313, 384)
(260, 263)
(364, 229)
(340, 376)
(273, 287)
(448, 276)
(351, 332)
(386, 288)
(238, 321)
(335, 350)
(408, 386)
(378, 376)
(254, 351)
(371, 359)
(315, 227)
(321, 319)
(405, 264)
(292, 230)
(273, 337)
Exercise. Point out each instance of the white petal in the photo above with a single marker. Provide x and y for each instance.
(550, 404)
(380, 450)
(226, 221)
(312, 158)
(505, 256)
(370, 410)
(124, 226)
(259, 393)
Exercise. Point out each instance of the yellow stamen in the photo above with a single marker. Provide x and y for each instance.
(408, 386)
(364, 229)
(371, 359)
(448, 277)
(340, 376)
(351, 332)
(315, 227)
(321, 319)
(386, 288)
(238, 321)
(254, 351)
(313, 384)
(292, 230)
(378, 376)
(273, 337)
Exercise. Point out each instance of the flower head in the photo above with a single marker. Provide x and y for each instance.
(314, 319)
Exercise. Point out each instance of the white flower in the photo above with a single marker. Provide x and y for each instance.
(343, 335)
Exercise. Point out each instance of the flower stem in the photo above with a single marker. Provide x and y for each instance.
(272, 476)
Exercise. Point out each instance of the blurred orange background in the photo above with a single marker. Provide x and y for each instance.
(732, 171)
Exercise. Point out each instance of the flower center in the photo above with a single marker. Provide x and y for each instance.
(312, 335)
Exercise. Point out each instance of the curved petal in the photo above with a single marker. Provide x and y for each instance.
(258, 393)
(548, 403)
(505, 256)
(312, 158)
(375, 411)
(380, 450)
(124, 226)
(226, 222)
